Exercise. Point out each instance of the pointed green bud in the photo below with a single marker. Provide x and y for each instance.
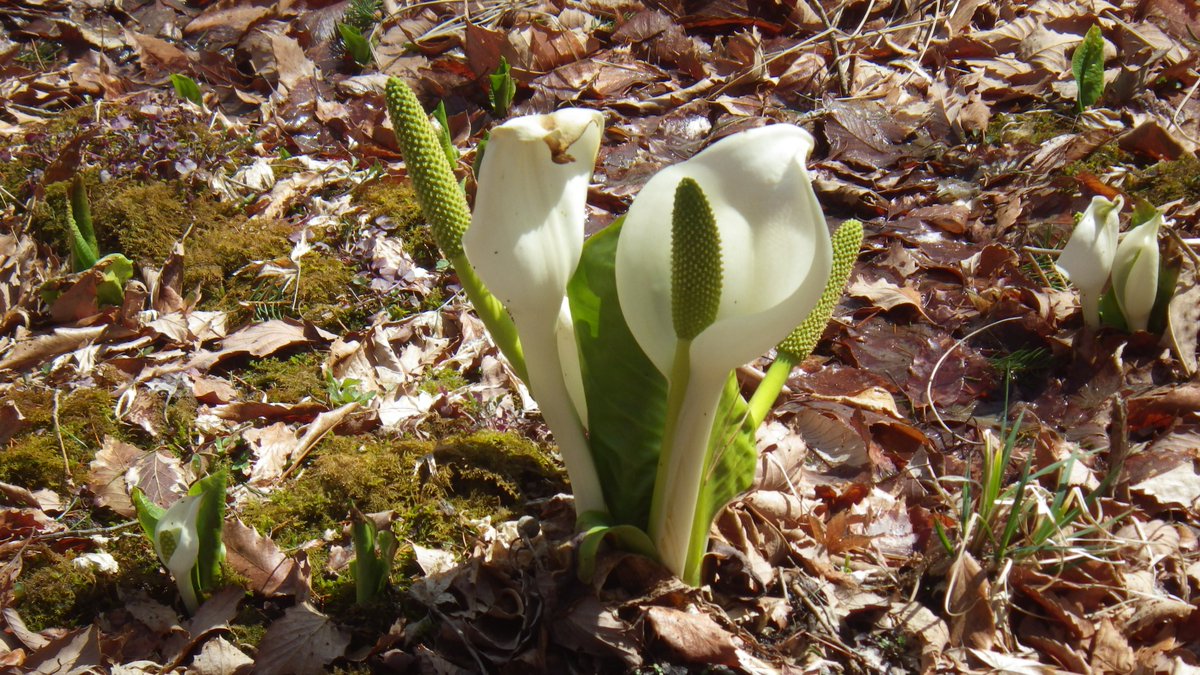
(695, 262)
(846, 242)
(442, 200)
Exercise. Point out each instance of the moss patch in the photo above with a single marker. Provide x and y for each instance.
(287, 379)
(52, 591)
(434, 488)
(34, 458)
(1030, 128)
(1168, 181)
(392, 199)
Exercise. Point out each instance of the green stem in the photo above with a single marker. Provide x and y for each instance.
(491, 311)
(768, 390)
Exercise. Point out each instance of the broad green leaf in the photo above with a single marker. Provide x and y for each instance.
(626, 395)
(209, 523)
(82, 213)
(187, 89)
(1087, 64)
(117, 270)
(148, 513)
(357, 46)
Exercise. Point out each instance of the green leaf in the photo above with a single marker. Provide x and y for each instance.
(626, 395)
(148, 513)
(187, 89)
(625, 537)
(1087, 64)
(357, 46)
(82, 213)
(443, 133)
(504, 89)
(117, 271)
(209, 524)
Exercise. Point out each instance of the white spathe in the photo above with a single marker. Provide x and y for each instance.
(1087, 258)
(776, 258)
(775, 249)
(180, 522)
(1135, 272)
(525, 240)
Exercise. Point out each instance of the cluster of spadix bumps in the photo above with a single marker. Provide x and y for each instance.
(441, 199)
(846, 242)
(695, 262)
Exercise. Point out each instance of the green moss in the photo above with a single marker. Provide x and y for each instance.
(1031, 128)
(34, 458)
(249, 627)
(33, 462)
(54, 592)
(287, 379)
(1100, 160)
(325, 281)
(1168, 181)
(217, 250)
(487, 473)
(389, 198)
(442, 379)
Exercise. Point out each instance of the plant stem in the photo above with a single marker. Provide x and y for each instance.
(495, 318)
(768, 390)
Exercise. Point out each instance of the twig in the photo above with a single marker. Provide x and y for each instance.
(937, 366)
(58, 432)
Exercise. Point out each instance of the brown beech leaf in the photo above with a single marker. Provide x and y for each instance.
(43, 348)
(106, 475)
(270, 571)
(161, 476)
(300, 643)
(694, 638)
(972, 623)
(76, 651)
(220, 657)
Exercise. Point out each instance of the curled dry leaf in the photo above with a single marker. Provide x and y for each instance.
(302, 642)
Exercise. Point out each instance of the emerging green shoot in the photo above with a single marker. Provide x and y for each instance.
(345, 391)
(187, 89)
(503, 90)
(443, 131)
(356, 44)
(374, 552)
(1087, 64)
(695, 262)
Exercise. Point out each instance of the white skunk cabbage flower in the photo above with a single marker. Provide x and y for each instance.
(525, 240)
(775, 261)
(1135, 273)
(177, 543)
(1087, 258)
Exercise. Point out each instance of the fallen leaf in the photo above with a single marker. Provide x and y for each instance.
(220, 657)
(73, 652)
(692, 637)
(106, 475)
(300, 643)
(972, 623)
(259, 559)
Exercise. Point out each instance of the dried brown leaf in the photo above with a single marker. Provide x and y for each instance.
(692, 637)
(220, 657)
(106, 475)
(259, 559)
(972, 623)
(73, 652)
(300, 643)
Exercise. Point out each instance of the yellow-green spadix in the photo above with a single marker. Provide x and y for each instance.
(525, 239)
(775, 261)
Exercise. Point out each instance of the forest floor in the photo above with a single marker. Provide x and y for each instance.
(290, 321)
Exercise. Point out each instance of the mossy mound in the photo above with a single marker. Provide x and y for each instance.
(287, 379)
(34, 458)
(397, 202)
(435, 488)
(53, 591)
(1168, 181)
(1027, 128)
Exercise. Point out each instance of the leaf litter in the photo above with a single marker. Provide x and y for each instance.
(950, 131)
